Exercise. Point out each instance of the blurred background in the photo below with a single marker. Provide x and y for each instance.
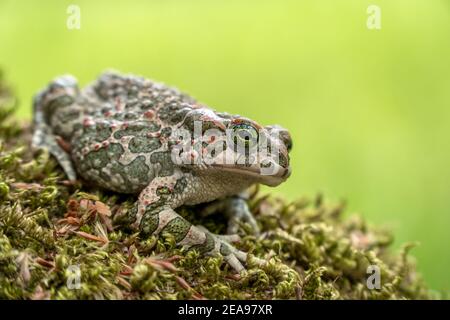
(369, 110)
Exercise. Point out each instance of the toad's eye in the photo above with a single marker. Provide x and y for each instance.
(244, 135)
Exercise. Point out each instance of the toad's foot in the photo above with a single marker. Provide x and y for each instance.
(220, 244)
(236, 210)
(233, 256)
(230, 238)
(193, 237)
(154, 214)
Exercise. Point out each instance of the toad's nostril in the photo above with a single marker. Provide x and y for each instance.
(287, 140)
(283, 160)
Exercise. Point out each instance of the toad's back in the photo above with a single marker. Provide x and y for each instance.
(117, 128)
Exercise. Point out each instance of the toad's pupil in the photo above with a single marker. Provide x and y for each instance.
(244, 134)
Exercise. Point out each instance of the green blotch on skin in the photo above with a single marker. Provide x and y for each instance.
(177, 227)
(180, 185)
(179, 115)
(168, 111)
(149, 223)
(144, 144)
(163, 191)
(164, 158)
(135, 175)
(137, 169)
(100, 158)
(102, 132)
(115, 150)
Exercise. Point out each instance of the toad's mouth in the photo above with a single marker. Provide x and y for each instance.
(270, 176)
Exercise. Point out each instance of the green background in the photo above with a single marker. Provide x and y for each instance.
(369, 110)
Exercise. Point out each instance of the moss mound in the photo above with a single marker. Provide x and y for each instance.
(66, 241)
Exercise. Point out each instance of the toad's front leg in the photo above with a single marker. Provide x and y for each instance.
(154, 213)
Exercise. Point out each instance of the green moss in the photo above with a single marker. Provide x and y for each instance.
(52, 231)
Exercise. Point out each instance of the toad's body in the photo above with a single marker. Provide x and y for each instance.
(131, 135)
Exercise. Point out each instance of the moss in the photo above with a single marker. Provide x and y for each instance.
(52, 231)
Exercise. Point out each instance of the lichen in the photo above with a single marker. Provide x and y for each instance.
(52, 231)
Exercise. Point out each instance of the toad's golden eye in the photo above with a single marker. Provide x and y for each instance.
(244, 135)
